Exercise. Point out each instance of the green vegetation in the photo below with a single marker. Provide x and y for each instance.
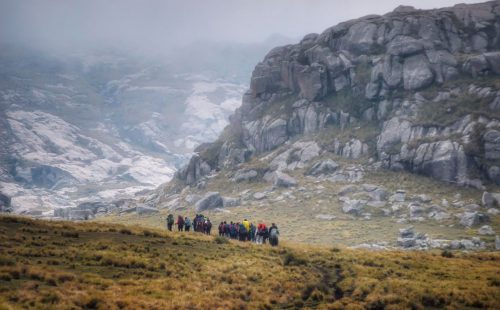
(106, 268)
(348, 101)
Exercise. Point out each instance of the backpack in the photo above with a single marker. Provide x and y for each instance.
(170, 219)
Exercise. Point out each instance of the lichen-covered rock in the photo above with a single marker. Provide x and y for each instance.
(210, 201)
(322, 167)
(417, 72)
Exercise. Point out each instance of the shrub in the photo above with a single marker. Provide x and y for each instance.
(447, 253)
(70, 234)
(220, 240)
(291, 259)
(125, 231)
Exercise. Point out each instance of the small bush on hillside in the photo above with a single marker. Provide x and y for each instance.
(447, 253)
(291, 259)
(220, 240)
(125, 231)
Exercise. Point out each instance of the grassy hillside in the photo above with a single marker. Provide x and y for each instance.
(101, 266)
(295, 211)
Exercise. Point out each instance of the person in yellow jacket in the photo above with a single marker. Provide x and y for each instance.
(246, 223)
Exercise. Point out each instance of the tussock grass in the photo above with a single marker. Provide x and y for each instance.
(150, 269)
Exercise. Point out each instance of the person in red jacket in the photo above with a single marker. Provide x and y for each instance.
(180, 223)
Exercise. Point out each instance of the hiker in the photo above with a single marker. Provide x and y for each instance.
(226, 229)
(251, 235)
(195, 222)
(246, 223)
(273, 235)
(170, 222)
(242, 232)
(209, 226)
(180, 223)
(232, 231)
(187, 224)
(221, 229)
(265, 234)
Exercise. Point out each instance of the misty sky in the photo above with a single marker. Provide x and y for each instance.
(160, 25)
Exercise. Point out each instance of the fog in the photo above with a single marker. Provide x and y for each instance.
(154, 25)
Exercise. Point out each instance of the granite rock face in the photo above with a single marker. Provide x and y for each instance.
(376, 71)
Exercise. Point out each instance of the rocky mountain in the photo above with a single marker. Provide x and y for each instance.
(100, 126)
(411, 95)
(427, 79)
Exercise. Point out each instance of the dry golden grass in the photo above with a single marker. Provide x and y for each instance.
(101, 266)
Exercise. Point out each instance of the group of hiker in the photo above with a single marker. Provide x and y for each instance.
(199, 224)
(244, 231)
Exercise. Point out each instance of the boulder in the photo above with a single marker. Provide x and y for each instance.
(281, 179)
(399, 196)
(192, 199)
(259, 195)
(417, 72)
(488, 200)
(407, 232)
(322, 167)
(228, 202)
(353, 206)
(497, 242)
(486, 230)
(210, 200)
(245, 175)
(470, 219)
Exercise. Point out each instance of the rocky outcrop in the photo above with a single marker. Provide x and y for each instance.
(5, 203)
(210, 201)
(376, 70)
(193, 171)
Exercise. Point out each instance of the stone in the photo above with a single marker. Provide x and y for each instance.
(416, 210)
(486, 230)
(281, 179)
(417, 73)
(470, 219)
(245, 175)
(423, 198)
(399, 196)
(406, 242)
(407, 232)
(488, 200)
(192, 199)
(493, 211)
(228, 202)
(353, 206)
(259, 195)
(323, 167)
(492, 144)
(210, 200)
(497, 242)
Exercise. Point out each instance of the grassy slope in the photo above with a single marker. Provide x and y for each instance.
(102, 266)
(300, 223)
